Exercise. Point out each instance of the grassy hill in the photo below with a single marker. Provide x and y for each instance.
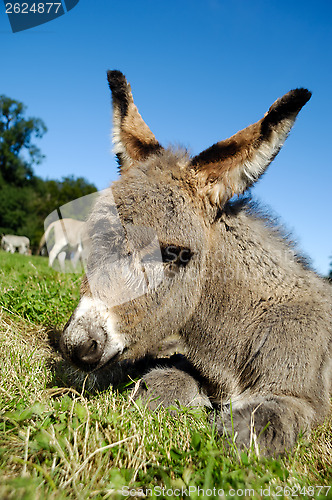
(58, 443)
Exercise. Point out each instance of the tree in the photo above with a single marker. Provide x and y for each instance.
(17, 152)
(53, 194)
(25, 199)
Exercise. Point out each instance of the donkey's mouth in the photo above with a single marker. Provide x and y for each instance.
(93, 355)
(109, 362)
(96, 367)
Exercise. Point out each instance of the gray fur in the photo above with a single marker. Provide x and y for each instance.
(166, 386)
(254, 320)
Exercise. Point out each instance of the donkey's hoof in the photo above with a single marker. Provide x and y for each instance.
(168, 386)
(263, 430)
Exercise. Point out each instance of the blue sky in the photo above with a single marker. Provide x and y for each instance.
(200, 70)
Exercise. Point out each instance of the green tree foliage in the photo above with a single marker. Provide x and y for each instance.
(24, 209)
(58, 193)
(25, 199)
(17, 152)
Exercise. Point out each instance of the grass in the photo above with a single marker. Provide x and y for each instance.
(57, 443)
(33, 291)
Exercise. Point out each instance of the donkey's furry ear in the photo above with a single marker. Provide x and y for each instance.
(230, 167)
(133, 140)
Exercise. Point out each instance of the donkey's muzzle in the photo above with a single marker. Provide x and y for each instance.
(83, 344)
(90, 339)
(88, 354)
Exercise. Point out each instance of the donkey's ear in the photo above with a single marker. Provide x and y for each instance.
(132, 138)
(230, 167)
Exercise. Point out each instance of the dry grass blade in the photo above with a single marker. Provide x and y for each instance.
(99, 450)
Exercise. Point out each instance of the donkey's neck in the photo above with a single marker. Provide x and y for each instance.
(254, 256)
(250, 270)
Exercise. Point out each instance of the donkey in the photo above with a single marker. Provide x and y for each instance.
(255, 320)
(67, 233)
(11, 243)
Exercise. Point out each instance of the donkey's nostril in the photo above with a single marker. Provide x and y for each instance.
(89, 352)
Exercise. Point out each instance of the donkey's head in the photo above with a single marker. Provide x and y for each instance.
(149, 262)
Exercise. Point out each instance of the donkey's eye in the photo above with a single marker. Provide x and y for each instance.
(176, 255)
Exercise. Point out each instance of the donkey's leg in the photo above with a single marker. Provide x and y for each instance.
(166, 386)
(55, 251)
(62, 259)
(77, 255)
(272, 422)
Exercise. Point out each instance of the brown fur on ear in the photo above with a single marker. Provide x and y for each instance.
(132, 138)
(231, 166)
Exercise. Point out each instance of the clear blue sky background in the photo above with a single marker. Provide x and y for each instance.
(200, 70)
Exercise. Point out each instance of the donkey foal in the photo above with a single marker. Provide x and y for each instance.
(254, 319)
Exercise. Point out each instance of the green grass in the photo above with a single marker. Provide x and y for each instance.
(57, 443)
(33, 291)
